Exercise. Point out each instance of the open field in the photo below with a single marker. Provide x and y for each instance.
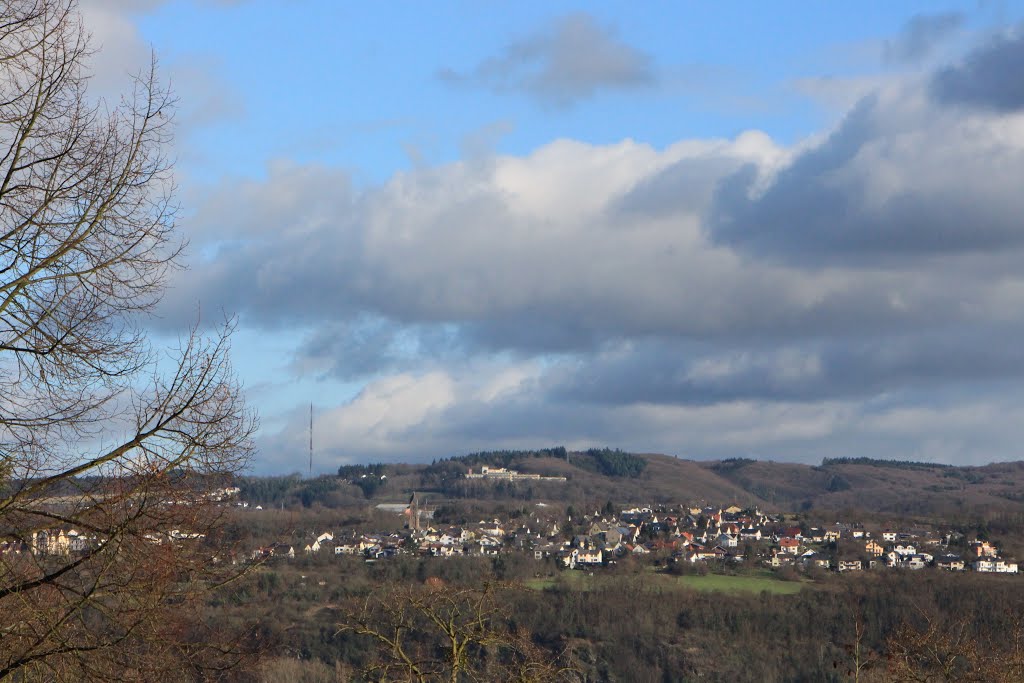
(738, 584)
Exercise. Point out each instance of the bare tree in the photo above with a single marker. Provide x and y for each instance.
(441, 633)
(109, 448)
(957, 650)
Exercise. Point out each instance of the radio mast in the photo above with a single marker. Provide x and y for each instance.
(310, 438)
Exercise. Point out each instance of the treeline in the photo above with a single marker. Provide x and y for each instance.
(610, 462)
(731, 464)
(376, 469)
(370, 478)
(895, 464)
(353, 484)
(294, 491)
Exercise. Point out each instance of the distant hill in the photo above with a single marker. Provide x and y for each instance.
(600, 475)
(883, 486)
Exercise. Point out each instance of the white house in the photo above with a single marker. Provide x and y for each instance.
(727, 541)
(994, 565)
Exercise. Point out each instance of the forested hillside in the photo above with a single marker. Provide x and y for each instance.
(599, 475)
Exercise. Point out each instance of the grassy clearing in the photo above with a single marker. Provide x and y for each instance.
(584, 581)
(576, 580)
(739, 584)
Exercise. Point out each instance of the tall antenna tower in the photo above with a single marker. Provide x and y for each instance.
(311, 439)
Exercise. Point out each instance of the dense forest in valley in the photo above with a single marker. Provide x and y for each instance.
(619, 627)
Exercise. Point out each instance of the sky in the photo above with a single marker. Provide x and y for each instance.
(783, 230)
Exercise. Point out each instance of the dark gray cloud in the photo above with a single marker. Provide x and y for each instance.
(569, 63)
(989, 77)
(368, 346)
(896, 180)
(662, 372)
(685, 186)
(920, 36)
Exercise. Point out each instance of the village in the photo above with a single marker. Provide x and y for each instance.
(665, 536)
(670, 537)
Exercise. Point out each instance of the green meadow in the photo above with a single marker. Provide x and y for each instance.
(585, 581)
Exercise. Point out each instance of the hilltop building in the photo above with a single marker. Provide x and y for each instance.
(507, 475)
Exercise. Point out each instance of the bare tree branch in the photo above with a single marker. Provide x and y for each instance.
(105, 456)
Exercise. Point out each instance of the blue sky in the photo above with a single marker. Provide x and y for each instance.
(780, 230)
